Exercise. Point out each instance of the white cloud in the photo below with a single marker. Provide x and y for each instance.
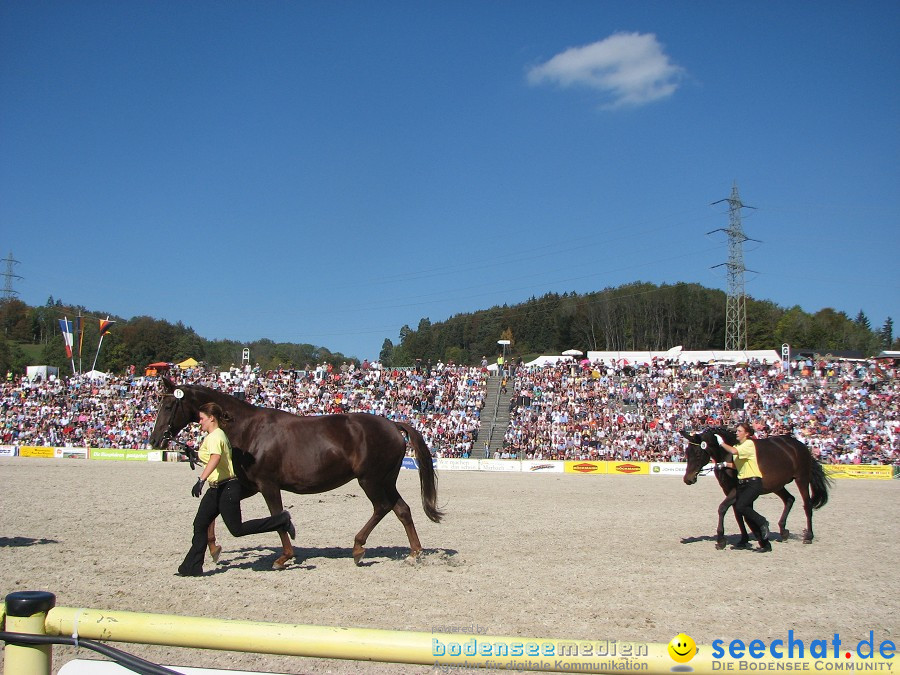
(630, 69)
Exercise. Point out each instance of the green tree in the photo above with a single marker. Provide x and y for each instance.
(12, 358)
(15, 322)
(887, 333)
(386, 355)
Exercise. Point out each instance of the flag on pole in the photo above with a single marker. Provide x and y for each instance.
(105, 325)
(79, 331)
(66, 326)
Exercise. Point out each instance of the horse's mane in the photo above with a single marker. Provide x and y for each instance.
(222, 398)
(726, 434)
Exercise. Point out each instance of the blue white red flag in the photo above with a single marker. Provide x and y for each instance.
(66, 327)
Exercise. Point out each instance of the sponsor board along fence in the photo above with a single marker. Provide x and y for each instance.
(582, 467)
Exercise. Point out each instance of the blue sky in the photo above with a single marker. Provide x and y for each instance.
(327, 172)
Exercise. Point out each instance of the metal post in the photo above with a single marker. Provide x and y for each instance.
(26, 612)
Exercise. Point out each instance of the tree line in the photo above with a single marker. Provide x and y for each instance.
(633, 317)
(32, 336)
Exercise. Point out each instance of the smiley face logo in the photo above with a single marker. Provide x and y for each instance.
(682, 648)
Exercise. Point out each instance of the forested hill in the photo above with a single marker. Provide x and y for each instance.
(638, 316)
(31, 335)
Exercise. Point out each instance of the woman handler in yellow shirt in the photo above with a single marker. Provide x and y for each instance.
(224, 493)
(749, 482)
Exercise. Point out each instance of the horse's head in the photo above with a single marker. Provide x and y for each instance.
(697, 457)
(176, 411)
(704, 448)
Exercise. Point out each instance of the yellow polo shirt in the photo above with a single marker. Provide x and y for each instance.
(745, 460)
(217, 443)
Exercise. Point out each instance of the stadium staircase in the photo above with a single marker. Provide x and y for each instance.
(494, 419)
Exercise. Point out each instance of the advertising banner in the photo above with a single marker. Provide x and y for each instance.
(107, 453)
(668, 469)
(499, 465)
(456, 464)
(7, 451)
(411, 463)
(71, 453)
(586, 467)
(870, 471)
(629, 467)
(545, 466)
(36, 451)
(127, 455)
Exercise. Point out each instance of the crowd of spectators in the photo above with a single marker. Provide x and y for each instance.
(442, 401)
(847, 412)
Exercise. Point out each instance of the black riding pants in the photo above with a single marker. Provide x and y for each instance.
(225, 500)
(747, 492)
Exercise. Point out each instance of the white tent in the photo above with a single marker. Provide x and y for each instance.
(548, 360)
(95, 375)
(682, 356)
(44, 372)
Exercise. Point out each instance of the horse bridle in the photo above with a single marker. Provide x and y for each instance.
(169, 434)
(706, 469)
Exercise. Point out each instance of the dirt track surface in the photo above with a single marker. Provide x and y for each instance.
(629, 558)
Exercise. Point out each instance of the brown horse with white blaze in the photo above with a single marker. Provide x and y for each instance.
(275, 450)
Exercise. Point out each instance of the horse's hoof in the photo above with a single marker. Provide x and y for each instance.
(720, 545)
(281, 563)
(807, 541)
(215, 552)
(358, 554)
(785, 535)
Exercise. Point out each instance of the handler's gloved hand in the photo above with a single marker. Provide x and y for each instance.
(719, 439)
(198, 486)
(721, 465)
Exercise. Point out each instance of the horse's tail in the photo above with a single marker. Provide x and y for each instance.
(427, 476)
(819, 482)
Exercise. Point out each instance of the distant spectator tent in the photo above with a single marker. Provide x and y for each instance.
(42, 372)
(702, 356)
(156, 368)
(892, 356)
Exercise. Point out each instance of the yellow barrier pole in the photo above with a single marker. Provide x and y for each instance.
(26, 612)
(358, 644)
(433, 649)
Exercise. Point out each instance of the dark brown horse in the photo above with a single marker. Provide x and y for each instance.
(275, 450)
(781, 459)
